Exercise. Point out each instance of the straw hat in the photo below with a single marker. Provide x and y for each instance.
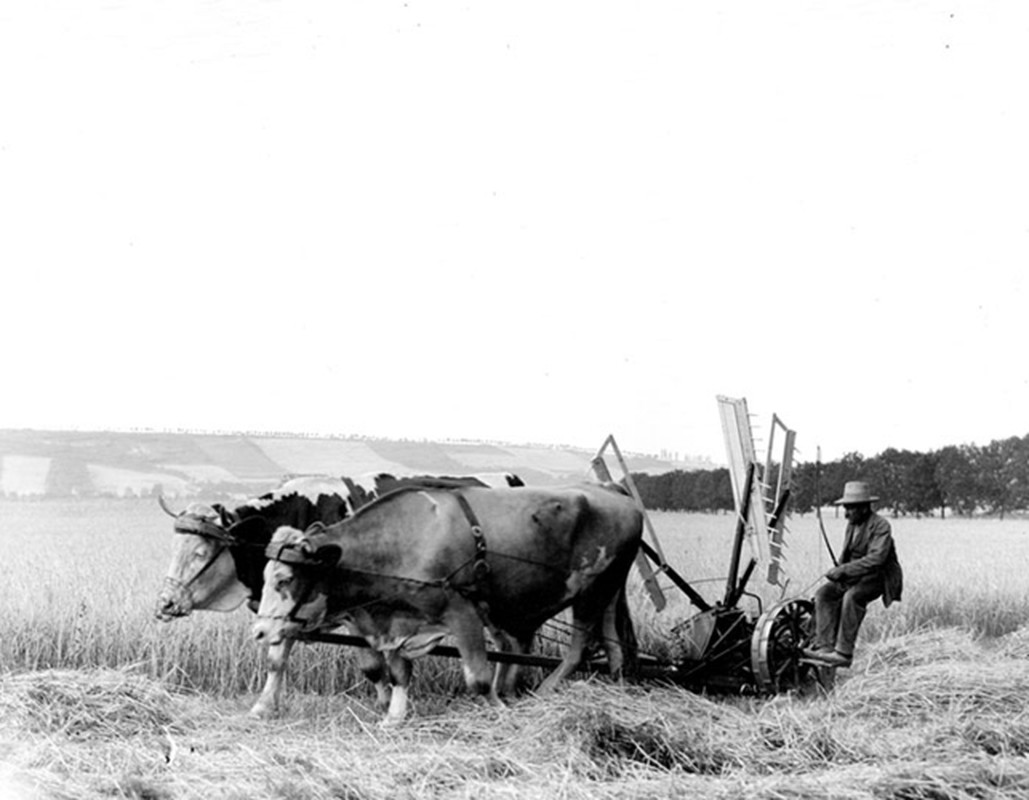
(855, 492)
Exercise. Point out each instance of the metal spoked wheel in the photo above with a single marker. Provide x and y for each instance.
(775, 647)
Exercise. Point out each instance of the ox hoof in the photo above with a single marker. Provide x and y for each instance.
(262, 711)
(495, 701)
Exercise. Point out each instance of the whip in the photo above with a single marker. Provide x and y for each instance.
(818, 504)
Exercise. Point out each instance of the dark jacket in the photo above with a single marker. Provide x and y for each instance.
(868, 549)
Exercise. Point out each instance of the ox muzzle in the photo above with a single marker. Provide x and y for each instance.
(174, 601)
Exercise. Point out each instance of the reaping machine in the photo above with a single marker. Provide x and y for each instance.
(723, 646)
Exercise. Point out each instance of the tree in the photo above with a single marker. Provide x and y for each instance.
(964, 478)
(923, 490)
(713, 490)
(956, 479)
(804, 490)
(1001, 470)
(887, 472)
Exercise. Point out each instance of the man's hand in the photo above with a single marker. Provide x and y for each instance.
(835, 574)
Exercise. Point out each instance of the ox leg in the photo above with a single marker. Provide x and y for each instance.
(581, 635)
(267, 704)
(620, 641)
(400, 670)
(614, 625)
(612, 641)
(373, 666)
(470, 637)
(587, 622)
(375, 670)
(505, 676)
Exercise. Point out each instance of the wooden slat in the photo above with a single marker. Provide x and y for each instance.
(650, 582)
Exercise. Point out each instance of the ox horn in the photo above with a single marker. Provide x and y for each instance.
(167, 510)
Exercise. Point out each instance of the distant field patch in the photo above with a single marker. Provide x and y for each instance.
(560, 461)
(240, 455)
(206, 473)
(24, 475)
(420, 456)
(493, 458)
(121, 482)
(327, 457)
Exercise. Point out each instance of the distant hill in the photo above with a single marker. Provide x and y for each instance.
(39, 464)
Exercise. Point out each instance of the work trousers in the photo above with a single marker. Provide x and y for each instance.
(840, 609)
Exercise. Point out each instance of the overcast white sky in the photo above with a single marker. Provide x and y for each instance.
(532, 221)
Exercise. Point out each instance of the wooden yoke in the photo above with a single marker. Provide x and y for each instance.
(599, 467)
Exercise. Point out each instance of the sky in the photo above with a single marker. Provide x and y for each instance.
(522, 222)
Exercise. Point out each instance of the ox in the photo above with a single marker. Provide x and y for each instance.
(218, 559)
(418, 564)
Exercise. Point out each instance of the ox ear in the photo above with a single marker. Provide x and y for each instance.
(328, 554)
(313, 536)
(227, 518)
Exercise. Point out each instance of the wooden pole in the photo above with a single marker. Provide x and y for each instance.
(741, 530)
(657, 597)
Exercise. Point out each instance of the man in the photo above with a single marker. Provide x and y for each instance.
(868, 569)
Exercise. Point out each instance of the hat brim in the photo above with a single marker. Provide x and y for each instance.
(850, 501)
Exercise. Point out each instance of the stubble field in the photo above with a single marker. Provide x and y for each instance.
(97, 699)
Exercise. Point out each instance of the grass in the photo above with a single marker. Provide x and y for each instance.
(97, 699)
(80, 591)
(923, 727)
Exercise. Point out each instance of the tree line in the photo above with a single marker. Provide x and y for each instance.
(957, 479)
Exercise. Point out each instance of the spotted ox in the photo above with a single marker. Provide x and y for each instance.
(418, 564)
(218, 557)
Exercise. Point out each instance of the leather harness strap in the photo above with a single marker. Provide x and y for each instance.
(480, 569)
(203, 527)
